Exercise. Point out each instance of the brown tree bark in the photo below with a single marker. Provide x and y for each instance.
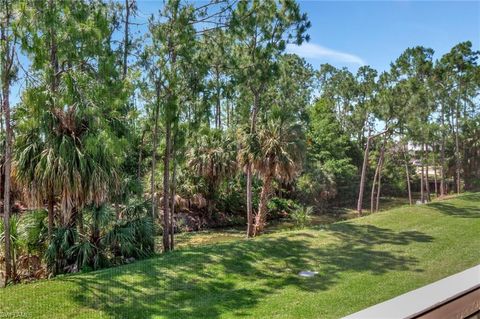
(442, 154)
(166, 188)
(422, 179)
(379, 187)
(458, 162)
(364, 169)
(261, 216)
(140, 155)
(407, 173)
(7, 62)
(435, 170)
(218, 112)
(54, 79)
(363, 177)
(372, 194)
(253, 122)
(172, 209)
(153, 193)
(126, 38)
(427, 182)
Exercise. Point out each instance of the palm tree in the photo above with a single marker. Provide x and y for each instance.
(213, 158)
(64, 154)
(281, 155)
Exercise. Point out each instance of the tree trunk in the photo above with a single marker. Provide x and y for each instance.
(6, 189)
(51, 214)
(363, 176)
(7, 62)
(379, 187)
(228, 113)
(250, 230)
(435, 171)
(261, 217)
(442, 155)
(166, 188)
(14, 266)
(172, 209)
(407, 174)
(457, 150)
(156, 112)
(427, 182)
(126, 36)
(250, 217)
(218, 112)
(53, 88)
(372, 194)
(422, 179)
(140, 155)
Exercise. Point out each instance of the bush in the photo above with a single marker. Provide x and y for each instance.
(302, 216)
(281, 207)
(105, 240)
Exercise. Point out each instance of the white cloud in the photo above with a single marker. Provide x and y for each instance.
(315, 51)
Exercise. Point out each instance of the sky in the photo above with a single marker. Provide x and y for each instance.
(354, 33)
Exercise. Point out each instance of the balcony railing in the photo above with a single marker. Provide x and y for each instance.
(454, 297)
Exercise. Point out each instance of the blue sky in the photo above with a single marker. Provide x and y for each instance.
(351, 33)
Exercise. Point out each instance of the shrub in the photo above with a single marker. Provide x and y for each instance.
(280, 207)
(302, 216)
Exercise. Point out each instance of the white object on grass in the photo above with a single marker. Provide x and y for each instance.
(307, 273)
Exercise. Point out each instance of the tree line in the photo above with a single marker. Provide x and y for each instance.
(199, 117)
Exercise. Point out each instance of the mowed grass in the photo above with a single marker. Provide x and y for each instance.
(360, 262)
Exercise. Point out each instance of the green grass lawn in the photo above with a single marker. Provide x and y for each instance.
(360, 262)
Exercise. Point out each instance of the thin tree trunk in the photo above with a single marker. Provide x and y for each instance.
(172, 210)
(363, 176)
(228, 113)
(154, 154)
(442, 154)
(407, 174)
(140, 155)
(379, 187)
(261, 217)
(427, 182)
(14, 266)
(250, 231)
(218, 121)
(422, 179)
(372, 194)
(457, 149)
(166, 188)
(126, 38)
(53, 88)
(435, 171)
(51, 214)
(250, 217)
(7, 62)
(6, 189)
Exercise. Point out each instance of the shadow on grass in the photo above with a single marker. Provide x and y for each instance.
(205, 282)
(465, 211)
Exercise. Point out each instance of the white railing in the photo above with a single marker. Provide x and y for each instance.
(457, 296)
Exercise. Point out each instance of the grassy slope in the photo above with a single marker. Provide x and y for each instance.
(360, 263)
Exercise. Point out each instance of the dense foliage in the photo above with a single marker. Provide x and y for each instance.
(203, 120)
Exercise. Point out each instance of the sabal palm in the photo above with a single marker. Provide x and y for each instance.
(281, 155)
(213, 158)
(61, 151)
